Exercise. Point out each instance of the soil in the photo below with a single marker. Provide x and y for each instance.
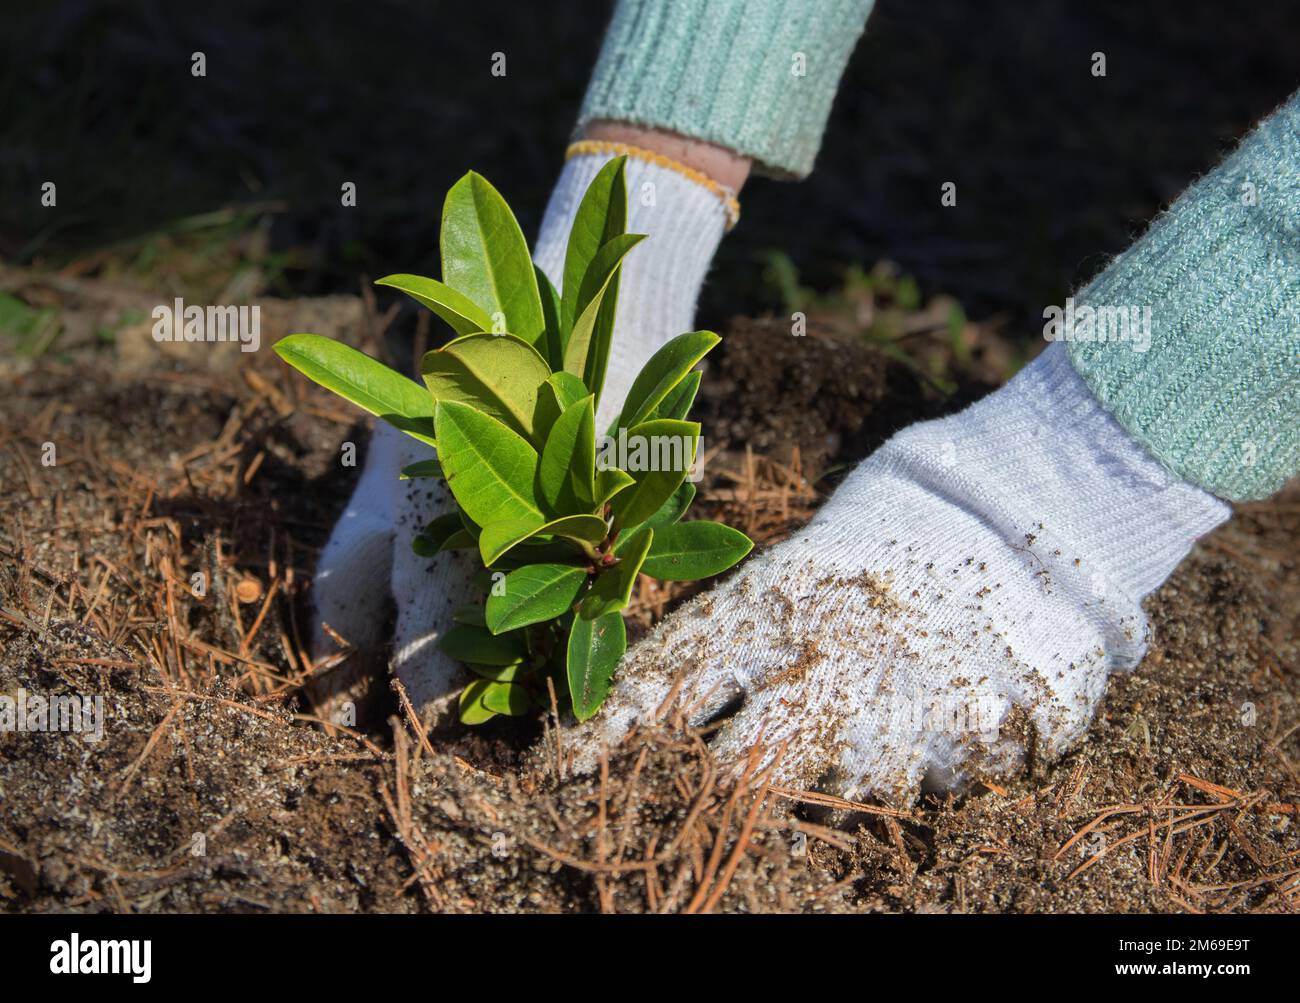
(215, 787)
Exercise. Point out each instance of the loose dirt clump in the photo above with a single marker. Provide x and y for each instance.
(163, 564)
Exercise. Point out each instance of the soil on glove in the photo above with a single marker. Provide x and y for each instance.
(162, 561)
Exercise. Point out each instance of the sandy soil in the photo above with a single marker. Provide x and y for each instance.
(216, 788)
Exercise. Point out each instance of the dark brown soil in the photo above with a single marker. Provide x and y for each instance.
(215, 789)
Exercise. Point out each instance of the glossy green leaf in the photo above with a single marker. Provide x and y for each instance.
(602, 339)
(500, 673)
(578, 360)
(364, 381)
(551, 345)
(665, 370)
(677, 402)
(431, 538)
(498, 539)
(421, 468)
(476, 644)
(506, 698)
(595, 647)
(459, 311)
(462, 539)
(471, 614)
(613, 587)
(485, 256)
(602, 329)
(471, 706)
(569, 389)
(609, 482)
(566, 472)
(499, 375)
(669, 449)
(533, 594)
(688, 551)
(601, 216)
(490, 469)
(674, 508)
(560, 392)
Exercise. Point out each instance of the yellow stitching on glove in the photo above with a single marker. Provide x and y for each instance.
(728, 197)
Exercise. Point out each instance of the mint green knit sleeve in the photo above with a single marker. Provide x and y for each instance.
(1215, 395)
(756, 76)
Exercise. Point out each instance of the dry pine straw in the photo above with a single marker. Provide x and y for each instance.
(1160, 809)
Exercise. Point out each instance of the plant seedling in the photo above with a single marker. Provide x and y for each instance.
(562, 520)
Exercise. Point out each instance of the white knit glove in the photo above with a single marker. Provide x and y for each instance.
(368, 558)
(990, 561)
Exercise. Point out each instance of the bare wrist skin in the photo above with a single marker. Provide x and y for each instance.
(726, 167)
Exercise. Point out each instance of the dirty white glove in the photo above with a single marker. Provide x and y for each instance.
(368, 558)
(988, 561)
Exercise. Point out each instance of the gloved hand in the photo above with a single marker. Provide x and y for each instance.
(368, 558)
(990, 562)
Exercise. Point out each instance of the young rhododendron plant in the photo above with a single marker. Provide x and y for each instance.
(563, 522)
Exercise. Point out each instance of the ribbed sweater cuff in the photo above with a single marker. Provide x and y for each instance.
(755, 76)
(1212, 386)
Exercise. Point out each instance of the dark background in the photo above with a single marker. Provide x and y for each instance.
(1056, 169)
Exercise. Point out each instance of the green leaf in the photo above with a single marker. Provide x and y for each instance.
(471, 614)
(463, 314)
(666, 368)
(609, 482)
(596, 287)
(560, 392)
(462, 539)
(578, 357)
(506, 698)
(595, 647)
(601, 216)
(688, 551)
(533, 594)
(472, 710)
(677, 403)
(476, 644)
(674, 508)
(669, 444)
(499, 375)
(499, 673)
(364, 381)
(431, 539)
(604, 265)
(569, 389)
(421, 468)
(566, 472)
(499, 538)
(485, 256)
(552, 342)
(613, 588)
(490, 469)
(602, 339)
